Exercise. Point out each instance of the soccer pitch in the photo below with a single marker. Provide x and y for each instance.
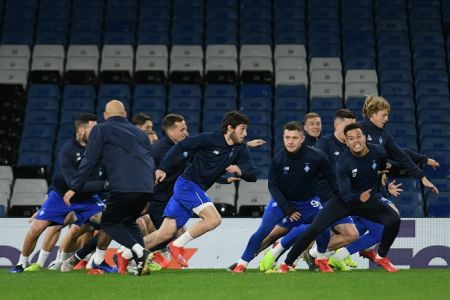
(220, 284)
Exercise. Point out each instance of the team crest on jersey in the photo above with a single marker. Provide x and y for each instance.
(374, 165)
(354, 173)
(78, 154)
(216, 152)
(336, 153)
(41, 212)
(285, 170)
(231, 153)
(380, 139)
(369, 138)
(306, 168)
(185, 154)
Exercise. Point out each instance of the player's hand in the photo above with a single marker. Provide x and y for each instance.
(160, 176)
(233, 179)
(68, 196)
(433, 163)
(428, 184)
(234, 169)
(365, 196)
(395, 189)
(256, 143)
(295, 216)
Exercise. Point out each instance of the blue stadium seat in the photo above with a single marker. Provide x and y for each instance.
(444, 168)
(86, 25)
(70, 116)
(395, 75)
(34, 159)
(261, 158)
(289, 25)
(118, 91)
(408, 198)
(256, 103)
(389, 50)
(328, 103)
(78, 104)
(394, 88)
(394, 62)
(401, 102)
(79, 91)
(324, 50)
(66, 131)
(407, 142)
(44, 90)
(359, 63)
(212, 119)
(51, 38)
(435, 143)
(184, 104)
(149, 91)
(119, 38)
(429, 50)
(185, 90)
(401, 128)
(42, 103)
(259, 117)
(410, 185)
(259, 131)
(38, 131)
(291, 103)
(148, 104)
(432, 89)
(220, 90)
(255, 90)
(41, 117)
(433, 102)
(251, 38)
(352, 49)
(86, 38)
(221, 38)
(290, 38)
(392, 37)
(153, 25)
(439, 210)
(52, 25)
(358, 36)
(404, 115)
(36, 144)
(219, 103)
(426, 75)
(222, 26)
(434, 129)
(325, 37)
(429, 63)
(282, 117)
(222, 13)
(291, 91)
(439, 116)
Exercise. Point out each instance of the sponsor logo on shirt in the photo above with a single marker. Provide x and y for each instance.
(216, 152)
(336, 153)
(354, 172)
(285, 170)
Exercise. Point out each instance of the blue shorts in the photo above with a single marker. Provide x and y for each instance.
(188, 197)
(308, 209)
(55, 210)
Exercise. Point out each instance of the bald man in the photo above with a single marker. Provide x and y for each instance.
(124, 152)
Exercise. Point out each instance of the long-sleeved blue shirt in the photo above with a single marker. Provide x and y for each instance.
(358, 174)
(293, 176)
(164, 190)
(124, 153)
(67, 164)
(383, 137)
(332, 148)
(211, 155)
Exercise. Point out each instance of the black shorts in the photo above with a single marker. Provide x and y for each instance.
(124, 207)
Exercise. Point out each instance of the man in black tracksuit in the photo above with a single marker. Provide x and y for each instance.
(124, 152)
(358, 177)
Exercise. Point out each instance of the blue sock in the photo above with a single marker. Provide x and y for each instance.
(272, 216)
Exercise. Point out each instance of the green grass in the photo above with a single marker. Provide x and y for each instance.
(218, 284)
